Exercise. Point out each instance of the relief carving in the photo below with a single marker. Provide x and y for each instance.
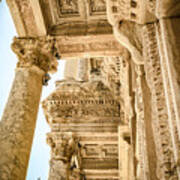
(97, 6)
(100, 151)
(68, 6)
(67, 149)
(166, 161)
(78, 111)
(81, 98)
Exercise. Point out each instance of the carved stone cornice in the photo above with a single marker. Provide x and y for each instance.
(141, 12)
(74, 99)
(40, 52)
(132, 15)
(119, 16)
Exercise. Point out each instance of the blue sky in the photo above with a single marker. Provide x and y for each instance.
(39, 161)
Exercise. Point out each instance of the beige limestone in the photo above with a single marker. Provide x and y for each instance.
(132, 48)
(36, 59)
(71, 65)
(87, 111)
(18, 123)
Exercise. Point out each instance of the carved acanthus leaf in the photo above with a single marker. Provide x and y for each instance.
(67, 149)
(40, 52)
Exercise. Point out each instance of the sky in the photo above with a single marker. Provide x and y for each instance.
(40, 154)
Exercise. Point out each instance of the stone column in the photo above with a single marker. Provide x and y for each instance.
(18, 122)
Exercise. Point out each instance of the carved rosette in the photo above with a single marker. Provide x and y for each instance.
(40, 52)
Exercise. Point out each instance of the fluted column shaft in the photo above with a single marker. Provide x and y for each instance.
(19, 119)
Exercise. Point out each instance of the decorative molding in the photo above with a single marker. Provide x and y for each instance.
(96, 10)
(115, 73)
(100, 151)
(89, 46)
(166, 161)
(94, 100)
(139, 12)
(64, 11)
(67, 150)
(68, 7)
(89, 111)
(97, 149)
(169, 63)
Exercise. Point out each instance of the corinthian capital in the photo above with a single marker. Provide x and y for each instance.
(40, 52)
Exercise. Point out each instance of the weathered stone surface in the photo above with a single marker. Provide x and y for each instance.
(18, 123)
(163, 141)
(89, 111)
(41, 52)
(36, 59)
(123, 72)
